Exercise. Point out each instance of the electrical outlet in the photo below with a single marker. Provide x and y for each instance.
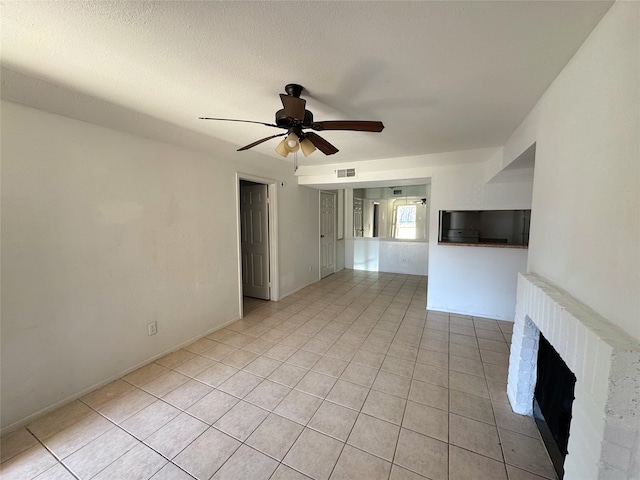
(310, 267)
(152, 328)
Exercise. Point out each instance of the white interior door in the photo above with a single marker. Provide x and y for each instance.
(254, 240)
(327, 234)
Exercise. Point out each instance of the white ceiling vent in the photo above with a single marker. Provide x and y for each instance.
(346, 172)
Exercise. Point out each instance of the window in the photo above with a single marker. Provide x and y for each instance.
(405, 225)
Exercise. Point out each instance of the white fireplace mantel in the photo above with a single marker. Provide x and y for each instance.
(604, 437)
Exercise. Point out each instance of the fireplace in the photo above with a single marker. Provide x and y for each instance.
(552, 401)
(604, 433)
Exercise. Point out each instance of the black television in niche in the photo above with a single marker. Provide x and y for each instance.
(499, 228)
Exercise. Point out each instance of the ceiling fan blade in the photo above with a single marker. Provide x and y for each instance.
(243, 121)
(293, 106)
(354, 125)
(251, 145)
(320, 143)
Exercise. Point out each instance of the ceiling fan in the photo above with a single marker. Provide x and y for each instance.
(295, 119)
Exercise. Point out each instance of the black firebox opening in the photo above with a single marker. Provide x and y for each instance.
(552, 402)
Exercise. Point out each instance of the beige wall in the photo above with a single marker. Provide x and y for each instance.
(104, 232)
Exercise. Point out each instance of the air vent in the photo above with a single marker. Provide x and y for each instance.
(346, 172)
(397, 192)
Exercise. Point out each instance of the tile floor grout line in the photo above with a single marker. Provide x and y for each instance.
(53, 454)
(281, 461)
(141, 441)
(119, 456)
(406, 403)
(305, 426)
(345, 443)
(493, 413)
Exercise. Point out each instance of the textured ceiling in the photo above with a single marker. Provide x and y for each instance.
(442, 76)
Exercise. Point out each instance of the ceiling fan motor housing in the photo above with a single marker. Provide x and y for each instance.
(287, 122)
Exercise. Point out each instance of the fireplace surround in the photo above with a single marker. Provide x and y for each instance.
(604, 441)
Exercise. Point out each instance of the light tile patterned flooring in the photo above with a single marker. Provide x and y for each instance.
(349, 378)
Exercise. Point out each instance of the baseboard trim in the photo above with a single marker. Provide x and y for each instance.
(83, 392)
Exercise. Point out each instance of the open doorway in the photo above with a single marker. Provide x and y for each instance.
(256, 239)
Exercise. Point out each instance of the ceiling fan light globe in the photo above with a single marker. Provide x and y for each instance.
(307, 147)
(292, 143)
(281, 148)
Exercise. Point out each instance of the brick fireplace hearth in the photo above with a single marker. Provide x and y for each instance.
(604, 441)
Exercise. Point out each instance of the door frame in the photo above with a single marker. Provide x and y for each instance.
(335, 231)
(272, 193)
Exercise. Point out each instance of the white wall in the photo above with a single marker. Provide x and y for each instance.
(478, 281)
(340, 252)
(104, 232)
(298, 233)
(394, 256)
(585, 223)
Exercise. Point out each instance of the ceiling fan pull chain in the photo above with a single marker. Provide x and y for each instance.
(295, 162)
